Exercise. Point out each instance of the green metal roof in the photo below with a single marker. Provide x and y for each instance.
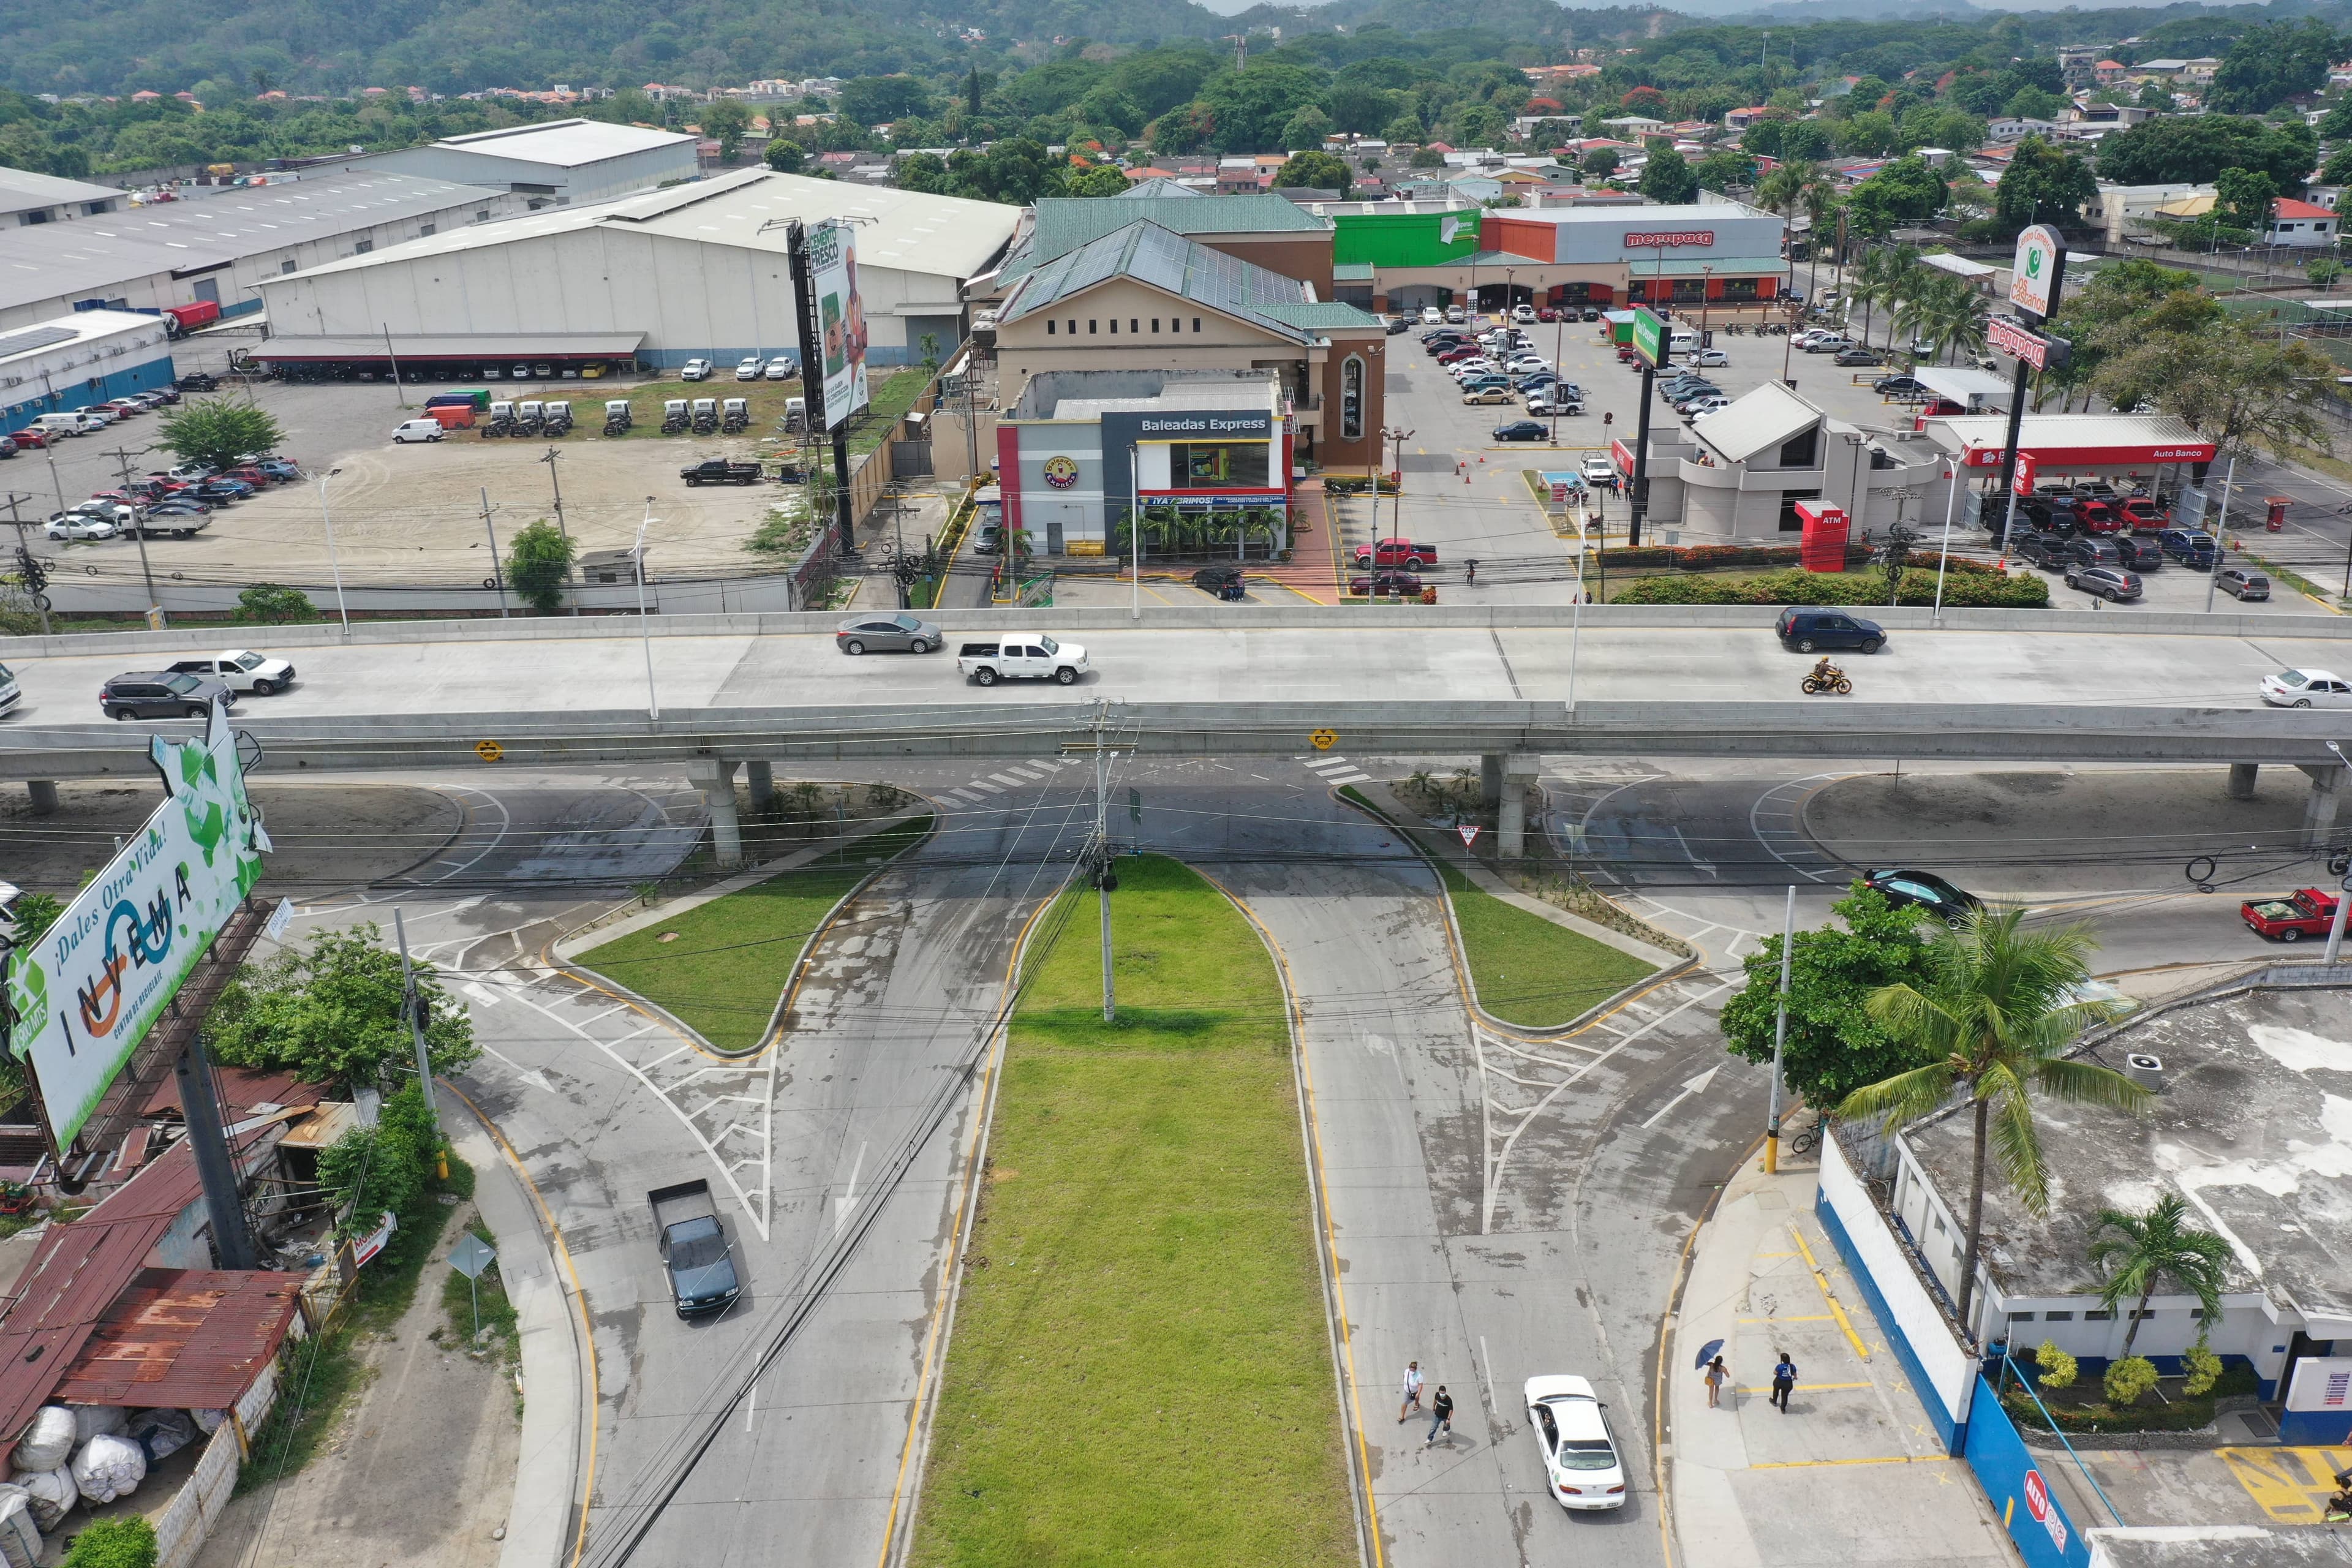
(1066, 223)
(1354, 273)
(1166, 260)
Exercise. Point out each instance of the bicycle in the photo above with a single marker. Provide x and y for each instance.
(1808, 1141)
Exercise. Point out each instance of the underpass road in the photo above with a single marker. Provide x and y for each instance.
(1241, 664)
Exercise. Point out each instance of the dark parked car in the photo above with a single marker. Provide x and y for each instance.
(2188, 545)
(886, 634)
(219, 490)
(2051, 552)
(1220, 581)
(1858, 356)
(2093, 552)
(2137, 552)
(2109, 582)
(1897, 387)
(1590, 314)
(1809, 631)
(161, 694)
(2240, 584)
(199, 382)
(1925, 889)
(1404, 584)
(1522, 430)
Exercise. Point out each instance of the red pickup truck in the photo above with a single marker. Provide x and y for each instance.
(2306, 913)
(1402, 552)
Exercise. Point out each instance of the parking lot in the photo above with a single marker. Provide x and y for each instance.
(414, 512)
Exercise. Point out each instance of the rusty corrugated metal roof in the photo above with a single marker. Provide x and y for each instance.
(186, 1338)
(241, 1089)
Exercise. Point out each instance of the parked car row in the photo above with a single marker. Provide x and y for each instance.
(87, 420)
(752, 367)
(178, 502)
(188, 688)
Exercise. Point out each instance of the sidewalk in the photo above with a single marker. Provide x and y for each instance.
(1852, 1473)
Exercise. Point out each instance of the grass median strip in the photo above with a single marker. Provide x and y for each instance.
(1140, 1371)
(721, 966)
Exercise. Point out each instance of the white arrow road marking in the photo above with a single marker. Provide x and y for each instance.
(531, 1076)
(841, 1206)
(1690, 1086)
(480, 993)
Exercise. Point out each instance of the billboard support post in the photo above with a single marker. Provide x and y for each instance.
(1649, 347)
(832, 320)
(232, 1239)
(412, 1004)
(2038, 274)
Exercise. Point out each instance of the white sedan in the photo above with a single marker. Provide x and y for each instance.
(73, 527)
(2306, 688)
(1526, 364)
(1581, 1464)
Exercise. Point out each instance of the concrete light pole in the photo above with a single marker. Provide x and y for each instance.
(1780, 1035)
(645, 627)
(333, 564)
(2343, 891)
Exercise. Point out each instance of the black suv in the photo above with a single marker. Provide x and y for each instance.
(2051, 552)
(162, 694)
(1220, 581)
(2141, 552)
(2093, 552)
(1806, 630)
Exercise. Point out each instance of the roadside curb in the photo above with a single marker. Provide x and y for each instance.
(1668, 965)
(557, 1363)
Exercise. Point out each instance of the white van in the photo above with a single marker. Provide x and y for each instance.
(65, 425)
(1682, 340)
(9, 693)
(418, 430)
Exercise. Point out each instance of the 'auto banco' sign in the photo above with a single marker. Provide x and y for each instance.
(85, 995)
(1649, 338)
(2034, 270)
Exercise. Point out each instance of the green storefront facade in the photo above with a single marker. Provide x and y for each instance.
(1404, 239)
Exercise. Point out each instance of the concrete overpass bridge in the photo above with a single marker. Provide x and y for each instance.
(1509, 684)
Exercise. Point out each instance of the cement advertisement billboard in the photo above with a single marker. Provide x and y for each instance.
(2034, 270)
(1649, 338)
(840, 321)
(85, 995)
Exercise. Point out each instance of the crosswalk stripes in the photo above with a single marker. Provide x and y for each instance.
(1335, 769)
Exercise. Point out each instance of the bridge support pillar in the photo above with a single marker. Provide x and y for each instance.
(1511, 815)
(44, 796)
(1490, 780)
(2241, 780)
(761, 777)
(716, 780)
(2319, 805)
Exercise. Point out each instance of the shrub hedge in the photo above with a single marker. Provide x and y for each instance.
(1977, 589)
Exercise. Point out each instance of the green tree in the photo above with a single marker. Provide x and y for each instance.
(1601, 163)
(1834, 1047)
(1725, 169)
(2042, 184)
(2231, 379)
(539, 566)
(1947, 311)
(2157, 96)
(1994, 1017)
(2243, 198)
(2140, 1250)
(331, 1014)
(1247, 109)
(974, 85)
(33, 916)
(877, 100)
(1305, 131)
(2127, 1380)
(2192, 149)
(1667, 177)
(2338, 170)
(1905, 191)
(274, 605)
(1405, 129)
(926, 173)
(2034, 103)
(216, 431)
(724, 121)
(785, 155)
(1112, 107)
(2323, 271)
(1478, 125)
(2271, 63)
(127, 1540)
(1314, 170)
(1096, 180)
(1868, 135)
(371, 1172)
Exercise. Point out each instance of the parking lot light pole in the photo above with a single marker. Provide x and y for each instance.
(333, 564)
(1951, 501)
(498, 574)
(645, 627)
(1779, 1036)
(2343, 891)
(2220, 533)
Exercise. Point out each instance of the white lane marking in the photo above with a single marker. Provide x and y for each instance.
(605, 1013)
(1690, 854)
(658, 1060)
(1021, 773)
(969, 796)
(1007, 780)
(648, 1029)
(983, 785)
(751, 1408)
(849, 1195)
(1696, 1084)
(1346, 778)
(529, 1074)
(480, 993)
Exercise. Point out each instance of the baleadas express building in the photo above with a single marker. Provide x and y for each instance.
(1579, 255)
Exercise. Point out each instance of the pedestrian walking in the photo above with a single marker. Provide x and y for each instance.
(1716, 1372)
(1411, 1392)
(1784, 1378)
(1441, 1417)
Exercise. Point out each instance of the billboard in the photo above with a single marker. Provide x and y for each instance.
(840, 321)
(85, 995)
(2034, 269)
(1649, 338)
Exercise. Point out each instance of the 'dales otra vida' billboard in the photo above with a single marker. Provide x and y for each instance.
(82, 997)
(840, 321)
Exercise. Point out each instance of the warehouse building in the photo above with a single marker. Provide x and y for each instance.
(86, 357)
(695, 272)
(218, 242)
(559, 163)
(27, 199)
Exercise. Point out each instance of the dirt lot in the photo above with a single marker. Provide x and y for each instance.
(414, 512)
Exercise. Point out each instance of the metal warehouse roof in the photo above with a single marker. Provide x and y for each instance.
(569, 142)
(183, 1338)
(92, 256)
(21, 189)
(1150, 254)
(454, 345)
(904, 230)
(82, 326)
(1066, 223)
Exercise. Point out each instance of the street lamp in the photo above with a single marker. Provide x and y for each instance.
(645, 625)
(333, 564)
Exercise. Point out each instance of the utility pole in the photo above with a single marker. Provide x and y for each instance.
(1396, 531)
(498, 577)
(122, 466)
(1780, 1035)
(419, 1013)
(34, 576)
(553, 479)
(1097, 857)
(398, 396)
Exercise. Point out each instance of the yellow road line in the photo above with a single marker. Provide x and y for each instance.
(579, 1299)
(955, 1232)
(1881, 1459)
(1836, 1310)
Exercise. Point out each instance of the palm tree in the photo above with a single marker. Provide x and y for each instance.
(1996, 1019)
(1780, 191)
(2148, 1246)
(1946, 312)
(1819, 197)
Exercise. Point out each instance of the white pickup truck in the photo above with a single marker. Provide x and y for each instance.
(1022, 656)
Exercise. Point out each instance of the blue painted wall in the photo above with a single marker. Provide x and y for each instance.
(1953, 1432)
(72, 395)
(2002, 1464)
